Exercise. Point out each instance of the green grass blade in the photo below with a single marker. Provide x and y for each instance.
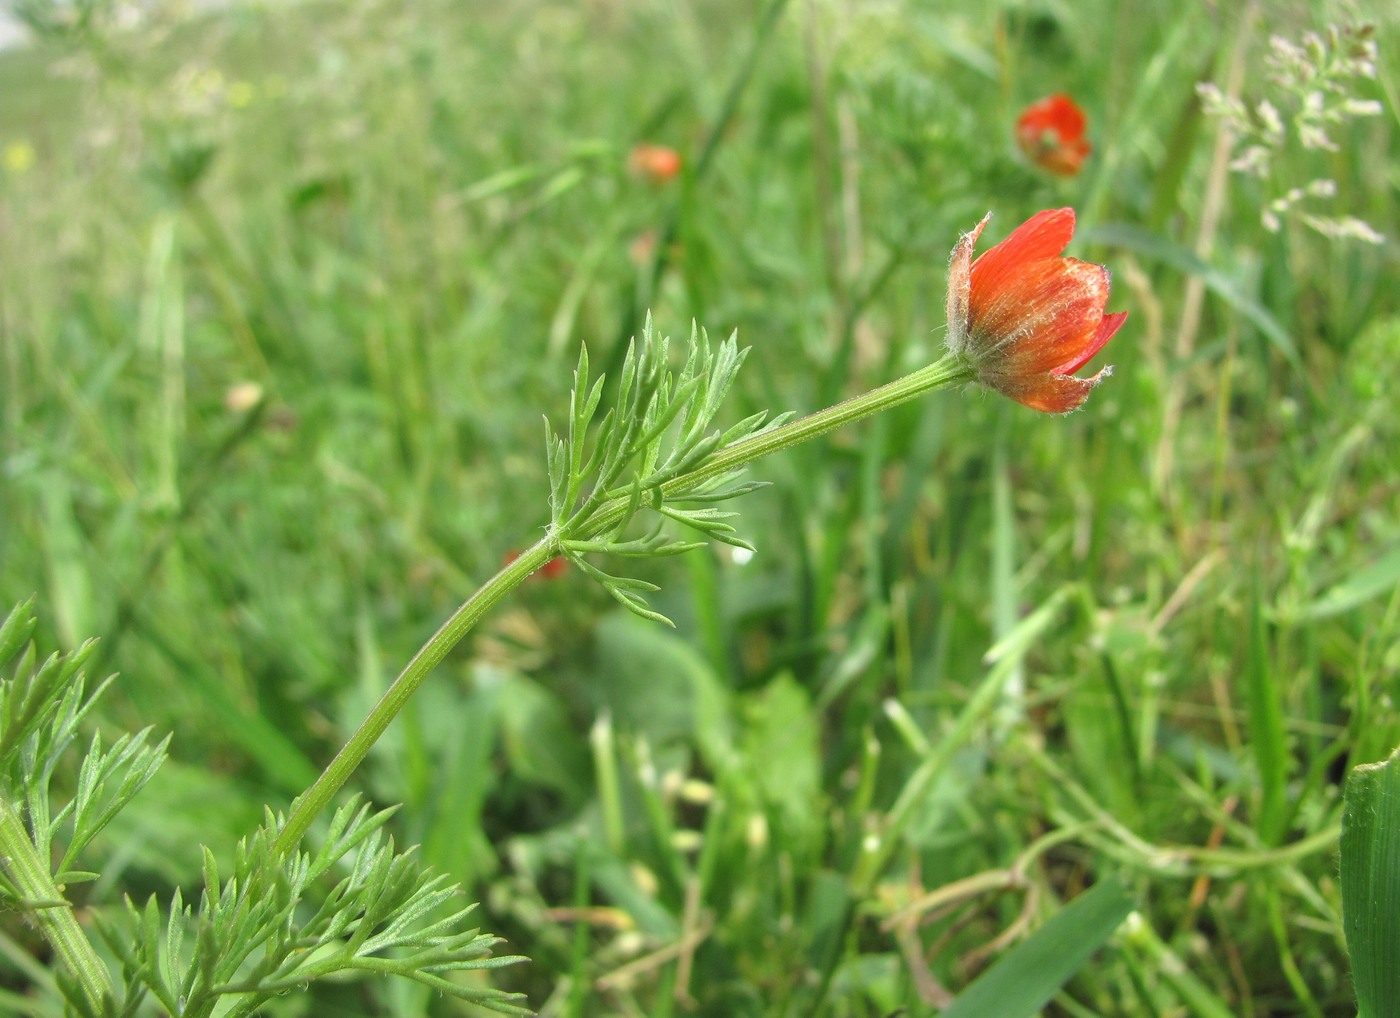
(1152, 958)
(1371, 885)
(1028, 975)
(1380, 577)
(1266, 733)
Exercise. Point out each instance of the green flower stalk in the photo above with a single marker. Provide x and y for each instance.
(1022, 319)
(655, 454)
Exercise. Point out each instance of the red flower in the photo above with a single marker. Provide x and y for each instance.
(656, 163)
(1051, 132)
(1027, 319)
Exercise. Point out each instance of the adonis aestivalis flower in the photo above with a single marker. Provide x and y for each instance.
(1025, 318)
(1051, 132)
(655, 163)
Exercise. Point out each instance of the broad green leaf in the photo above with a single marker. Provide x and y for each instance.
(1370, 869)
(782, 752)
(1375, 580)
(1028, 975)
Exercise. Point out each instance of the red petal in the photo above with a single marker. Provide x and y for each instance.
(1043, 317)
(1062, 315)
(1043, 235)
(1057, 394)
(1109, 325)
(1058, 113)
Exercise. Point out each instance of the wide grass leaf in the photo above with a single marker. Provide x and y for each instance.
(1027, 976)
(1371, 885)
(1374, 580)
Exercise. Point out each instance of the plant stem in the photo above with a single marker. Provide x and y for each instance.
(311, 802)
(42, 900)
(950, 370)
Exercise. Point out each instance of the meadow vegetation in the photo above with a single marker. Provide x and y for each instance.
(285, 291)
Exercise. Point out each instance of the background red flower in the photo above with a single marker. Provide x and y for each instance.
(1051, 132)
(656, 163)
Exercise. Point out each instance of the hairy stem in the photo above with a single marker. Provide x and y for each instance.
(42, 900)
(950, 370)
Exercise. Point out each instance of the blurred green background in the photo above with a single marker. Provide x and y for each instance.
(285, 290)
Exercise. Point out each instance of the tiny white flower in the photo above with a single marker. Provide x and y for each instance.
(1272, 122)
(1363, 107)
(1314, 137)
